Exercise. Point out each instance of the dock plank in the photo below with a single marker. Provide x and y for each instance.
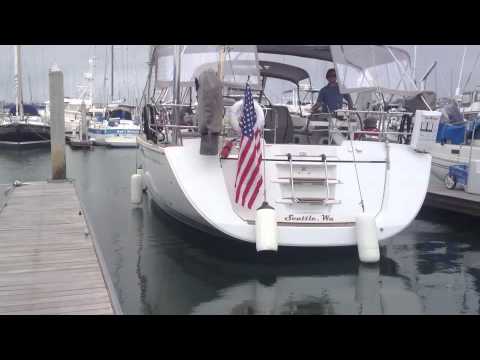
(49, 263)
(97, 309)
(50, 288)
(456, 200)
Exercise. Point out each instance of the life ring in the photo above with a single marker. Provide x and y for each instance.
(236, 112)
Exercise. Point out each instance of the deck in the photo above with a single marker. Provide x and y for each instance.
(50, 262)
(456, 200)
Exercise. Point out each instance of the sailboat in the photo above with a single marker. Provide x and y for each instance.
(23, 126)
(311, 195)
(456, 153)
(73, 105)
(117, 128)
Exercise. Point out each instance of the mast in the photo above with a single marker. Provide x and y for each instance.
(414, 63)
(111, 50)
(18, 81)
(451, 83)
(457, 91)
(471, 72)
(30, 88)
(91, 78)
(128, 79)
(105, 92)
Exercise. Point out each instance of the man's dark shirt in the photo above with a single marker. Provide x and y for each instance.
(331, 99)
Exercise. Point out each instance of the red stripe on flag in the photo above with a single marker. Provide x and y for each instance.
(246, 170)
(243, 154)
(252, 179)
(255, 193)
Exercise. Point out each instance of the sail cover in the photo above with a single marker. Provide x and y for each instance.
(380, 68)
(240, 63)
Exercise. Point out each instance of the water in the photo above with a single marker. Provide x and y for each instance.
(159, 266)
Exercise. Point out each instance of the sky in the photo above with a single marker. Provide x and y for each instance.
(131, 69)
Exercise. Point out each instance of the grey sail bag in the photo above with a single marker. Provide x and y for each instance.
(210, 111)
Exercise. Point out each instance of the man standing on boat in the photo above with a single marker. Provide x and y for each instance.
(329, 98)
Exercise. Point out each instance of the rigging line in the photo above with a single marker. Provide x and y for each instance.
(105, 76)
(471, 72)
(460, 76)
(264, 165)
(362, 203)
(399, 64)
(387, 167)
(128, 79)
(231, 63)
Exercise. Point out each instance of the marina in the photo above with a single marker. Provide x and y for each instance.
(159, 266)
(208, 196)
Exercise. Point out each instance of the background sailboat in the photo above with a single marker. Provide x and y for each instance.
(117, 128)
(22, 125)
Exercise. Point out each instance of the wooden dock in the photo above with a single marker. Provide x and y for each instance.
(456, 200)
(50, 262)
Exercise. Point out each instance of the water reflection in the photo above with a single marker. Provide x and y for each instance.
(201, 276)
(24, 164)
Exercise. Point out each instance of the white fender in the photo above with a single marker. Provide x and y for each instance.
(142, 174)
(266, 228)
(367, 240)
(136, 189)
(236, 113)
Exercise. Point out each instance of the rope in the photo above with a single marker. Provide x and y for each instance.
(7, 192)
(264, 166)
(387, 167)
(356, 169)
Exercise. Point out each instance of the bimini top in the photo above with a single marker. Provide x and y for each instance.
(282, 71)
(360, 68)
(319, 52)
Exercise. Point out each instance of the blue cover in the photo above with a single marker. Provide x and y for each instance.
(27, 110)
(452, 134)
(459, 172)
(121, 114)
(471, 124)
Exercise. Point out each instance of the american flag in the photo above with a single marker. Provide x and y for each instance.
(249, 177)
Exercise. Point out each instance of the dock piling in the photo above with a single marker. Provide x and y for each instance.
(57, 123)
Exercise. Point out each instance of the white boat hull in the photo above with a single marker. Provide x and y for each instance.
(108, 136)
(444, 156)
(195, 189)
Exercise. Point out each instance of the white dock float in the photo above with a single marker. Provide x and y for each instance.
(50, 262)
